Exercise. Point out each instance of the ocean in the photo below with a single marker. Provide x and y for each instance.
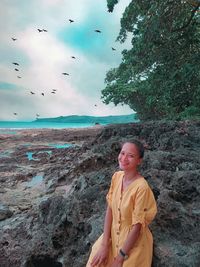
(39, 125)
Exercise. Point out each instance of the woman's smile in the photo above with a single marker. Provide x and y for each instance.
(129, 157)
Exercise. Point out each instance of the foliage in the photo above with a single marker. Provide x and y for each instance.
(159, 77)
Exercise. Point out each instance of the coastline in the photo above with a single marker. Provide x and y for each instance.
(53, 198)
(44, 137)
(48, 131)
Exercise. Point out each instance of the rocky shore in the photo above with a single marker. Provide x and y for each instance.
(53, 185)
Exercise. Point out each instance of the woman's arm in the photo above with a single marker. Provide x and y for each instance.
(131, 238)
(128, 244)
(103, 252)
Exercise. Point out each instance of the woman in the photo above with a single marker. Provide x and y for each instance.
(127, 240)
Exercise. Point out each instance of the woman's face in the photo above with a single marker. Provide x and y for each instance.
(129, 158)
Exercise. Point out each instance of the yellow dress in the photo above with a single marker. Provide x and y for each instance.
(136, 204)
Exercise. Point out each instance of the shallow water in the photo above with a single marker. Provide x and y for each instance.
(7, 132)
(36, 180)
(30, 154)
(41, 125)
(33, 155)
(60, 145)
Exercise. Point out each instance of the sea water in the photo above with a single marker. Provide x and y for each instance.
(39, 125)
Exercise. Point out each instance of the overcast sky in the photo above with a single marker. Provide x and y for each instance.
(44, 56)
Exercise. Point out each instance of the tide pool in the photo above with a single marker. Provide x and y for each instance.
(36, 180)
(30, 154)
(60, 145)
(7, 132)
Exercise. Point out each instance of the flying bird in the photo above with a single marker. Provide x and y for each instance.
(98, 31)
(37, 115)
(113, 49)
(19, 77)
(39, 30)
(16, 69)
(44, 30)
(65, 73)
(15, 63)
(42, 94)
(53, 92)
(14, 39)
(95, 105)
(73, 57)
(32, 92)
(70, 20)
(15, 113)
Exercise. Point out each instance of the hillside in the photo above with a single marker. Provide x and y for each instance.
(90, 119)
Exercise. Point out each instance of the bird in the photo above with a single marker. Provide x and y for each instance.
(15, 113)
(15, 63)
(14, 39)
(32, 93)
(73, 57)
(44, 30)
(113, 49)
(42, 94)
(70, 20)
(98, 31)
(16, 69)
(95, 105)
(65, 73)
(53, 92)
(39, 30)
(19, 77)
(37, 115)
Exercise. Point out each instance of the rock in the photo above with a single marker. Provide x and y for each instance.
(55, 226)
(5, 212)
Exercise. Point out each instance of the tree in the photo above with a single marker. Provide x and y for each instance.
(159, 77)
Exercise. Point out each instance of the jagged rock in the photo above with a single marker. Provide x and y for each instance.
(53, 227)
(5, 212)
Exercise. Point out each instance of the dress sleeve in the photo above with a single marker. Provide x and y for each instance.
(144, 206)
(110, 191)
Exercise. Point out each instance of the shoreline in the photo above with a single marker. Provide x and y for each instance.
(52, 128)
(27, 139)
(53, 202)
(26, 131)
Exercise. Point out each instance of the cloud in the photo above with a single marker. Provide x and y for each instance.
(44, 56)
(8, 86)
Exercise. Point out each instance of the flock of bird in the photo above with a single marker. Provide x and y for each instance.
(64, 73)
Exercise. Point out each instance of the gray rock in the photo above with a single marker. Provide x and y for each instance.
(54, 228)
(5, 212)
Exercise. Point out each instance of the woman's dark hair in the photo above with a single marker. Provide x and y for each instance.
(138, 144)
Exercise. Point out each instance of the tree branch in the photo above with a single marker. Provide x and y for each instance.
(189, 21)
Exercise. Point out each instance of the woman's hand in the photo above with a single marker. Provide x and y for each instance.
(118, 262)
(101, 256)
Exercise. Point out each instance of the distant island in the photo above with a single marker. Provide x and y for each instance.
(90, 119)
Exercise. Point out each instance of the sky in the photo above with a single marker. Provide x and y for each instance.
(46, 45)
